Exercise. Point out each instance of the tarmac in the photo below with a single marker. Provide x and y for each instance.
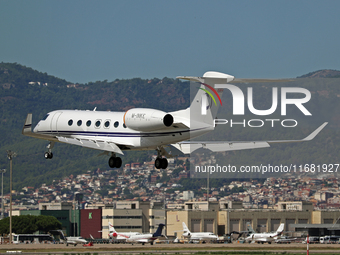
(163, 248)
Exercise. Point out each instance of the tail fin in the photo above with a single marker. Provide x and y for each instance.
(249, 228)
(185, 228)
(159, 230)
(205, 104)
(280, 229)
(111, 228)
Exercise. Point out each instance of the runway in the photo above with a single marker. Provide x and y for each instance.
(294, 248)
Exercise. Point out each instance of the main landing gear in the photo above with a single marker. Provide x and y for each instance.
(115, 161)
(48, 154)
(160, 163)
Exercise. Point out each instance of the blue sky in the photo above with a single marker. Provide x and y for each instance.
(87, 41)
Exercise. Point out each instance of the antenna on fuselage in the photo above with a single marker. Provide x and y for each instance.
(95, 109)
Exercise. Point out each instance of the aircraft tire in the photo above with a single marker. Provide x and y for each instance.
(48, 155)
(112, 162)
(118, 162)
(164, 163)
(158, 163)
(115, 162)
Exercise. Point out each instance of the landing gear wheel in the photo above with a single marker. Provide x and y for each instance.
(118, 162)
(164, 163)
(48, 155)
(158, 163)
(115, 162)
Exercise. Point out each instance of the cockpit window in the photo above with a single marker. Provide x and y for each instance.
(46, 117)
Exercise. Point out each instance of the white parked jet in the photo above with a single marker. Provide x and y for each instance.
(143, 128)
(146, 238)
(75, 240)
(265, 237)
(198, 236)
(122, 236)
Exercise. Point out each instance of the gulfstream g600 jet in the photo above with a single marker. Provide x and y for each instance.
(143, 128)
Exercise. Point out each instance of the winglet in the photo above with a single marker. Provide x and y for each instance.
(308, 138)
(27, 128)
(317, 131)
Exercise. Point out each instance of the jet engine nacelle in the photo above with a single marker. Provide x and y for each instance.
(144, 119)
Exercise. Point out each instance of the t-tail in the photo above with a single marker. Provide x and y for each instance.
(159, 230)
(249, 228)
(208, 99)
(280, 229)
(185, 229)
(112, 230)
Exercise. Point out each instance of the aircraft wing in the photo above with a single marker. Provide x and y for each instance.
(97, 143)
(215, 146)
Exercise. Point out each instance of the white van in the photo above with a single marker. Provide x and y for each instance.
(330, 239)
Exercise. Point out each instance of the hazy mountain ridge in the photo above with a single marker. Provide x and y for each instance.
(325, 73)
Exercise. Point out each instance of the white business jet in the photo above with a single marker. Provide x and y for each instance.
(198, 236)
(265, 237)
(146, 238)
(143, 128)
(121, 236)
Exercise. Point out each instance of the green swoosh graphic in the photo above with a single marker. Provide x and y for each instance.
(209, 94)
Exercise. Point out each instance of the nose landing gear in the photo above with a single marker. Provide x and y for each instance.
(48, 154)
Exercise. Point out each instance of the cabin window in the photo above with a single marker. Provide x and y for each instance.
(116, 124)
(97, 124)
(124, 125)
(79, 122)
(107, 124)
(88, 123)
(70, 122)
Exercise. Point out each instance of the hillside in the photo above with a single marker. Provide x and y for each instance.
(24, 90)
(326, 73)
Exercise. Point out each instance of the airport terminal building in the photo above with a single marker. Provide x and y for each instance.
(220, 218)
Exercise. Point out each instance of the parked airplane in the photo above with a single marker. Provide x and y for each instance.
(121, 235)
(198, 236)
(72, 239)
(75, 240)
(146, 238)
(265, 237)
(143, 128)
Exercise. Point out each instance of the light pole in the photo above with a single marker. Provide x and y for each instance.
(2, 171)
(10, 155)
